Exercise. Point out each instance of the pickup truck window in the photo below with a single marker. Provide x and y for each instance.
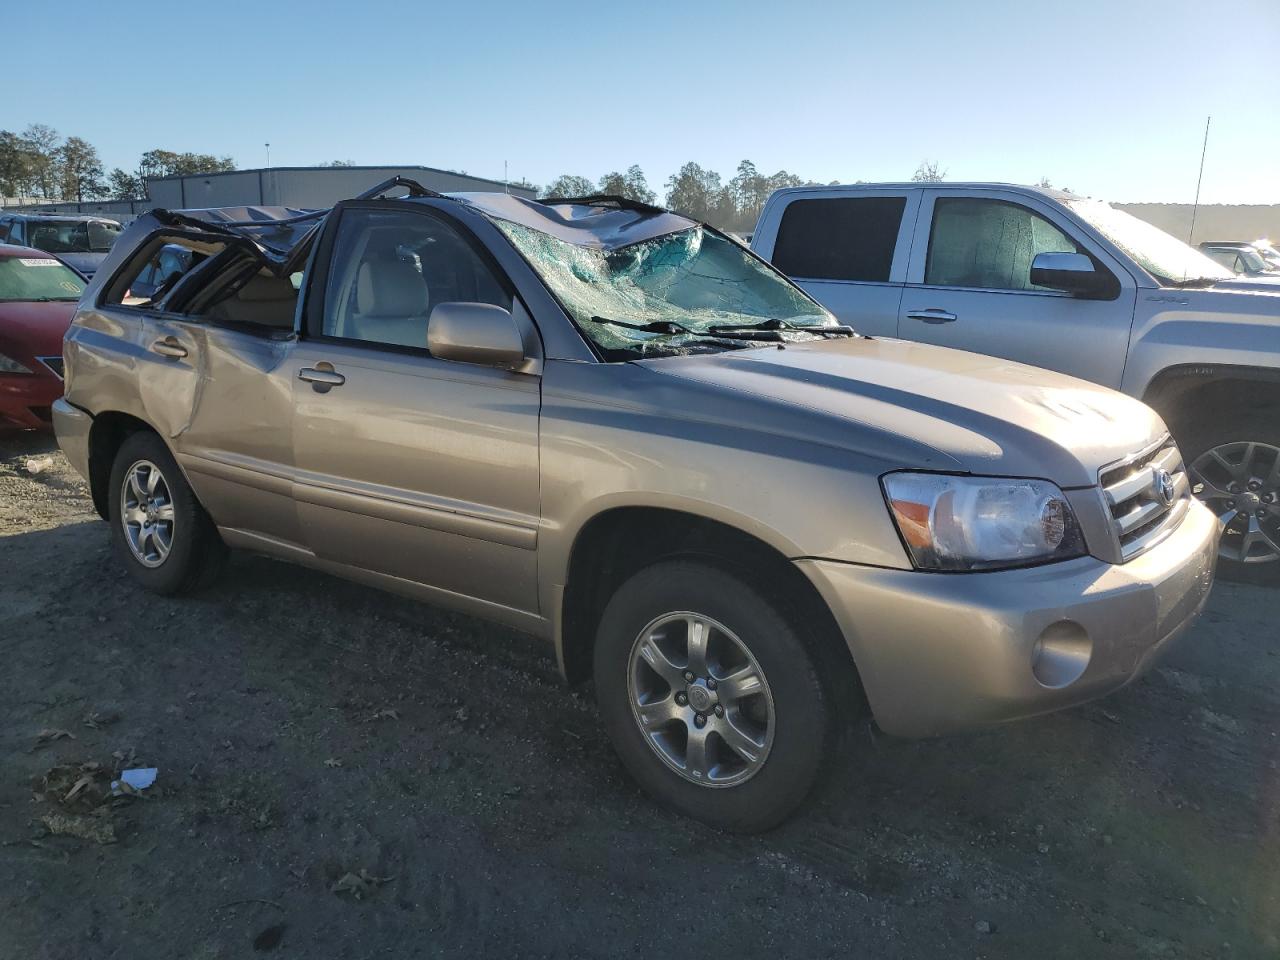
(391, 267)
(840, 238)
(988, 244)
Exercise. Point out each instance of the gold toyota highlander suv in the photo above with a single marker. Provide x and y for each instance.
(620, 430)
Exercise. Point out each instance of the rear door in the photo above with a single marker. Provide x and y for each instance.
(849, 252)
(211, 383)
(408, 465)
(969, 286)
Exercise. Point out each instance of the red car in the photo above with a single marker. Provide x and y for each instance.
(38, 295)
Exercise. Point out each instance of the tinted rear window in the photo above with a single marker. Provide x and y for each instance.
(841, 238)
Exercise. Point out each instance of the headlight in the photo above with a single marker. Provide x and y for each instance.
(12, 366)
(981, 523)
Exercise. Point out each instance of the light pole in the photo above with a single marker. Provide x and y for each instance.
(268, 146)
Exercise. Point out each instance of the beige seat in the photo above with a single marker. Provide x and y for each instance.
(391, 304)
(265, 301)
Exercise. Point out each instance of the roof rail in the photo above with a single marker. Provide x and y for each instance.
(415, 189)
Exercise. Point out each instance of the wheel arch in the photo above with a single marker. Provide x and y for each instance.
(621, 540)
(1179, 392)
(110, 429)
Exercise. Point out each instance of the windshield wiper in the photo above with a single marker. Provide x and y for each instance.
(775, 324)
(672, 329)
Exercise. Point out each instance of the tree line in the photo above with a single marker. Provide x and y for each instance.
(702, 194)
(40, 163)
(692, 190)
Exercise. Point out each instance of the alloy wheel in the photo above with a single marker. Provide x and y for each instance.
(700, 699)
(1240, 482)
(146, 513)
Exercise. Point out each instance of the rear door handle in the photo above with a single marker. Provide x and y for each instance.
(169, 347)
(932, 315)
(322, 376)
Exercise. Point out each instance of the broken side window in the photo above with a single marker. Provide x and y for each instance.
(156, 269)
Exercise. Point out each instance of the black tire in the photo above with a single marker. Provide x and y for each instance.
(1214, 428)
(197, 554)
(804, 707)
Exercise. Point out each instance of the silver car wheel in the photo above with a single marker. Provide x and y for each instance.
(146, 513)
(1240, 482)
(700, 699)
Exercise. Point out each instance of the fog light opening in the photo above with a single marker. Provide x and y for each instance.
(1061, 654)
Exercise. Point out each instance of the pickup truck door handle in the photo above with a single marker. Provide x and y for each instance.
(932, 315)
(322, 375)
(169, 347)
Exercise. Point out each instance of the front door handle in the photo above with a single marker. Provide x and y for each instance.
(169, 347)
(932, 315)
(322, 376)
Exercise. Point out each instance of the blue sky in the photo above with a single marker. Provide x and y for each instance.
(1106, 97)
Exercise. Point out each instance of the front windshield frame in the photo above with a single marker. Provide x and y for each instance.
(54, 284)
(615, 342)
(1166, 258)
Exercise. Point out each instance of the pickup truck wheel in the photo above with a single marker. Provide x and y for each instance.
(1236, 472)
(163, 535)
(710, 696)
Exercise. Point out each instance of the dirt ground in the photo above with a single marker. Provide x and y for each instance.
(346, 774)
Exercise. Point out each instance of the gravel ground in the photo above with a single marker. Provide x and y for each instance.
(346, 774)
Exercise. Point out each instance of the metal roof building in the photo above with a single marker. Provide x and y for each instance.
(298, 187)
(303, 187)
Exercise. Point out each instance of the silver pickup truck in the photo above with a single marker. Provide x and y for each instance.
(1070, 284)
(615, 428)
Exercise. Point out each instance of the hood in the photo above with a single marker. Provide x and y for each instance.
(982, 415)
(1264, 283)
(34, 329)
(86, 263)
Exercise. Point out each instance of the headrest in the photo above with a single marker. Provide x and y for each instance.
(267, 289)
(390, 288)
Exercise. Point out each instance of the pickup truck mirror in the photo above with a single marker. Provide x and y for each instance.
(475, 333)
(1072, 273)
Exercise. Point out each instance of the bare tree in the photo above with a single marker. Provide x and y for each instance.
(929, 172)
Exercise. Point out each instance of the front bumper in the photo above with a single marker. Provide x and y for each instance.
(944, 652)
(25, 400)
(71, 424)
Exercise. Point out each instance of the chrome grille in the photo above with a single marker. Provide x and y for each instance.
(54, 364)
(1133, 488)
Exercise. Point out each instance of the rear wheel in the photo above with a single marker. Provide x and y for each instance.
(1235, 469)
(164, 537)
(711, 697)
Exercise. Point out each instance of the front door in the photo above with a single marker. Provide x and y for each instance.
(407, 465)
(969, 286)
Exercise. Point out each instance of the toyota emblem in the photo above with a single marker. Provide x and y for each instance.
(1164, 485)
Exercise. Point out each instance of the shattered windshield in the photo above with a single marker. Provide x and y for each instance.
(690, 282)
(1165, 257)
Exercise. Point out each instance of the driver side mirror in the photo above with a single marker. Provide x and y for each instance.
(1072, 273)
(475, 333)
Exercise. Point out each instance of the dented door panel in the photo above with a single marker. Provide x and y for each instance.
(227, 410)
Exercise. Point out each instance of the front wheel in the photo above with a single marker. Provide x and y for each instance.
(1235, 469)
(711, 696)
